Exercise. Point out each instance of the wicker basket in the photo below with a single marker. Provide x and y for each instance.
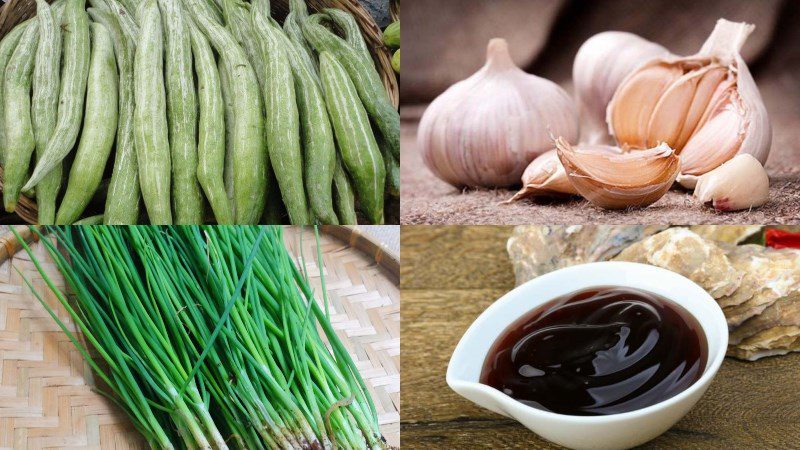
(17, 11)
(46, 389)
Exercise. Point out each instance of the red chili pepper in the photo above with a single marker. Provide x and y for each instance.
(782, 239)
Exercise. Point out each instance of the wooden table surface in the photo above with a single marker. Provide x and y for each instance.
(450, 274)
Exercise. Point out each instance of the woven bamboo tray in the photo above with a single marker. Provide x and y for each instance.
(14, 12)
(46, 397)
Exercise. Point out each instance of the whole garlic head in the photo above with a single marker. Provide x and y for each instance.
(706, 106)
(601, 64)
(485, 130)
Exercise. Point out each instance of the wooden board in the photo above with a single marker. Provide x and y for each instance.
(451, 274)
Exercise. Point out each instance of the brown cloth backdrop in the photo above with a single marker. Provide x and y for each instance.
(544, 35)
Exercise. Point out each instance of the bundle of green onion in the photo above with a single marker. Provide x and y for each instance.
(208, 337)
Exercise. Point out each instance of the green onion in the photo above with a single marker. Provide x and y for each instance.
(209, 337)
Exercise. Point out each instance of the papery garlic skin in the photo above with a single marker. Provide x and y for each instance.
(601, 64)
(758, 135)
(614, 179)
(740, 183)
(706, 106)
(485, 130)
(544, 176)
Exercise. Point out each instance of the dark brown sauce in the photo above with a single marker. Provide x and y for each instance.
(603, 350)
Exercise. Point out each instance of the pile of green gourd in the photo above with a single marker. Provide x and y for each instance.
(216, 112)
(391, 37)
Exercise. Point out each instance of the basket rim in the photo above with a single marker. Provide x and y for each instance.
(353, 236)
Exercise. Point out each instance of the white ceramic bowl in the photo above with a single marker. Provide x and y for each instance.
(588, 432)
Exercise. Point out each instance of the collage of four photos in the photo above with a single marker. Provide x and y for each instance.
(227, 224)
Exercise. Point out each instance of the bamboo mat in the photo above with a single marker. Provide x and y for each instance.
(46, 396)
(364, 305)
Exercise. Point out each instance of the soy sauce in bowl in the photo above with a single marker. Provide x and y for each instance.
(599, 351)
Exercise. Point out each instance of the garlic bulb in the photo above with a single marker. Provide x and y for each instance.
(544, 176)
(615, 179)
(485, 130)
(601, 64)
(740, 183)
(706, 106)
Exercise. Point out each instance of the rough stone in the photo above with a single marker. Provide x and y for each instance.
(379, 10)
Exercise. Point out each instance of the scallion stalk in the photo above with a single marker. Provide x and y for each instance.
(209, 337)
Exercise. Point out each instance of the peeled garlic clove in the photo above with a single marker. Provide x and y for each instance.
(485, 130)
(613, 179)
(740, 183)
(544, 176)
(687, 181)
(601, 64)
(709, 113)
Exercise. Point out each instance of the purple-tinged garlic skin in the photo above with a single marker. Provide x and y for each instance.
(485, 130)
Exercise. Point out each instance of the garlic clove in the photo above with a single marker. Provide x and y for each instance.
(485, 130)
(712, 79)
(639, 94)
(613, 179)
(740, 183)
(544, 176)
(687, 181)
(687, 97)
(719, 100)
(717, 141)
(676, 101)
(601, 64)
